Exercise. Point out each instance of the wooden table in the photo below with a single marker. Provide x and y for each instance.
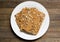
(53, 33)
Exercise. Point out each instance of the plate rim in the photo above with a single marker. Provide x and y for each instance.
(17, 34)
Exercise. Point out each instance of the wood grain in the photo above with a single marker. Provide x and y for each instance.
(6, 32)
(12, 4)
(49, 40)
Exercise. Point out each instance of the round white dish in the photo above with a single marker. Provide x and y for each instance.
(44, 26)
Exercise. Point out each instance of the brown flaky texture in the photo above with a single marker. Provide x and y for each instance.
(29, 20)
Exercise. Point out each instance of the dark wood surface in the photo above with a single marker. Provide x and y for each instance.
(6, 33)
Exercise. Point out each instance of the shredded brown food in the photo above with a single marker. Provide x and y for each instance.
(29, 20)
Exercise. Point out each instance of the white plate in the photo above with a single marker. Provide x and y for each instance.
(43, 27)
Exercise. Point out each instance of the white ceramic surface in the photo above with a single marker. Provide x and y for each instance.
(43, 27)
